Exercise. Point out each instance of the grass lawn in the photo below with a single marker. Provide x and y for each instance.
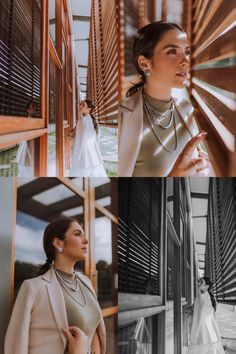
(8, 167)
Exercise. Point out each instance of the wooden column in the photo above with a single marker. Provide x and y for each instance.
(59, 111)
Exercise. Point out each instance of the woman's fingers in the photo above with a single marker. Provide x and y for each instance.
(196, 166)
(75, 331)
(67, 333)
(203, 154)
(193, 143)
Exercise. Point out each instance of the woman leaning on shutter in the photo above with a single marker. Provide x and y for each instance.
(158, 135)
(49, 307)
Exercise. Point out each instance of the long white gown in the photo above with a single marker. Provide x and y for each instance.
(25, 159)
(86, 159)
(205, 335)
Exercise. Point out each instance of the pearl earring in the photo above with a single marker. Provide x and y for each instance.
(147, 73)
(59, 249)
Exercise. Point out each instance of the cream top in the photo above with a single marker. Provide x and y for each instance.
(86, 316)
(153, 159)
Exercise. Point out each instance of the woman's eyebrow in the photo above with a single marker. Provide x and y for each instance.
(175, 46)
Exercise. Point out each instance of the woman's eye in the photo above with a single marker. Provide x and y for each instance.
(172, 51)
(188, 53)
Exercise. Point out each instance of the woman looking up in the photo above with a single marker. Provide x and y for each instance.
(158, 135)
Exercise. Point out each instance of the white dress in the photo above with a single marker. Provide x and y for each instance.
(25, 159)
(205, 335)
(86, 159)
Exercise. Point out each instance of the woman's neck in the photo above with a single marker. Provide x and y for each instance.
(66, 266)
(158, 91)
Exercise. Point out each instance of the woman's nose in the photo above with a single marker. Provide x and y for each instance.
(85, 239)
(185, 60)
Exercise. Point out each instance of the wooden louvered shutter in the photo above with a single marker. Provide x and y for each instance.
(20, 56)
(131, 15)
(139, 236)
(211, 25)
(221, 240)
(102, 80)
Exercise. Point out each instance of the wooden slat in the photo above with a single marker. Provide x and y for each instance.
(225, 46)
(225, 115)
(18, 124)
(218, 153)
(8, 140)
(217, 77)
(215, 4)
(220, 24)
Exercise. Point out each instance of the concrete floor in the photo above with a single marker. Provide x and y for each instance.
(227, 325)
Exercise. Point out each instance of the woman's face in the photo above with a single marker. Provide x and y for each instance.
(202, 285)
(75, 244)
(171, 60)
(84, 108)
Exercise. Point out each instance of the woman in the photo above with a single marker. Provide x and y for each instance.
(158, 135)
(87, 159)
(57, 299)
(205, 335)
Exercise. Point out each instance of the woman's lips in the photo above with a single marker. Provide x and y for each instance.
(182, 75)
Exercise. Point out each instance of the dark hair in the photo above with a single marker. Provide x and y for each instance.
(213, 300)
(57, 229)
(91, 105)
(144, 44)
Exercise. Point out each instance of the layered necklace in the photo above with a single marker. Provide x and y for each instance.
(68, 285)
(156, 120)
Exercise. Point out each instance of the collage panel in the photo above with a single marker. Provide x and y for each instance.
(177, 106)
(58, 263)
(176, 255)
(58, 88)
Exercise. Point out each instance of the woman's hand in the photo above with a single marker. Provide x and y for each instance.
(186, 165)
(77, 340)
(189, 310)
(71, 133)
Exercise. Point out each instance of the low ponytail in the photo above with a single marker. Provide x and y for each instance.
(213, 300)
(57, 228)
(95, 123)
(91, 106)
(45, 267)
(135, 88)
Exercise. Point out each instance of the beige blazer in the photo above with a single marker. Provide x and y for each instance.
(38, 317)
(131, 128)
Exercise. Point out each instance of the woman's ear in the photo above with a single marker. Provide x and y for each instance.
(57, 243)
(144, 63)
